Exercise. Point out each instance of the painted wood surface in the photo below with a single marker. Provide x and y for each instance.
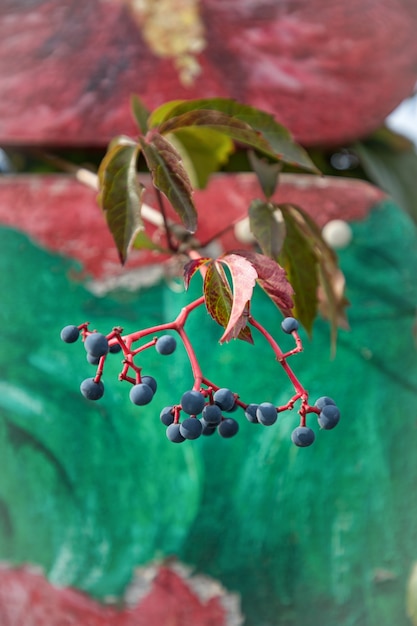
(330, 71)
(323, 535)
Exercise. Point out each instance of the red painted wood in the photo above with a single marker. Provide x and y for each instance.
(62, 215)
(330, 71)
(166, 596)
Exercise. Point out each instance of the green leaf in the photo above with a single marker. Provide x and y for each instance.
(140, 113)
(120, 193)
(244, 277)
(219, 298)
(267, 226)
(259, 129)
(273, 280)
(390, 161)
(142, 241)
(204, 150)
(170, 177)
(267, 173)
(312, 270)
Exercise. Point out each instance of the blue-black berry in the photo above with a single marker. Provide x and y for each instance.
(166, 344)
(70, 333)
(92, 390)
(96, 344)
(289, 324)
(303, 436)
(141, 394)
(266, 413)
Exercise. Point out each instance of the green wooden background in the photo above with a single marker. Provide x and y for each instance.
(325, 535)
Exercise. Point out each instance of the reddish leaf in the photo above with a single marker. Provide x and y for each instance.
(120, 193)
(244, 277)
(169, 176)
(219, 298)
(273, 280)
(192, 267)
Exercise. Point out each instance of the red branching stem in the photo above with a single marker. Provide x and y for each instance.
(100, 368)
(302, 393)
(195, 366)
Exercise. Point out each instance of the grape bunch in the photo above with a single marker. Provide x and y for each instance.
(206, 408)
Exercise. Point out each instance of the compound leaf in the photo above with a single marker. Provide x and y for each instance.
(260, 130)
(267, 226)
(120, 193)
(273, 280)
(219, 298)
(244, 277)
(170, 177)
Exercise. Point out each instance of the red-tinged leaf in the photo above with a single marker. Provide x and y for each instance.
(192, 267)
(120, 193)
(268, 227)
(273, 280)
(281, 145)
(169, 176)
(244, 278)
(219, 298)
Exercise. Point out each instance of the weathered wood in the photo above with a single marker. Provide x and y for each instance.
(62, 215)
(330, 71)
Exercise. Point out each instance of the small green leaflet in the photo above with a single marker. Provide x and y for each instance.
(120, 193)
(140, 114)
(268, 227)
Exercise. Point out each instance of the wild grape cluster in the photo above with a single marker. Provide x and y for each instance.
(206, 408)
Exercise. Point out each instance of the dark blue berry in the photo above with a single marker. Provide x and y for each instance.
(323, 401)
(266, 413)
(225, 399)
(92, 390)
(93, 360)
(212, 414)
(96, 344)
(167, 415)
(141, 394)
(70, 333)
(303, 436)
(166, 344)
(329, 416)
(191, 428)
(192, 402)
(289, 324)
(250, 413)
(149, 380)
(115, 348)
(228, 427)
(207, 429)
(173, 433)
